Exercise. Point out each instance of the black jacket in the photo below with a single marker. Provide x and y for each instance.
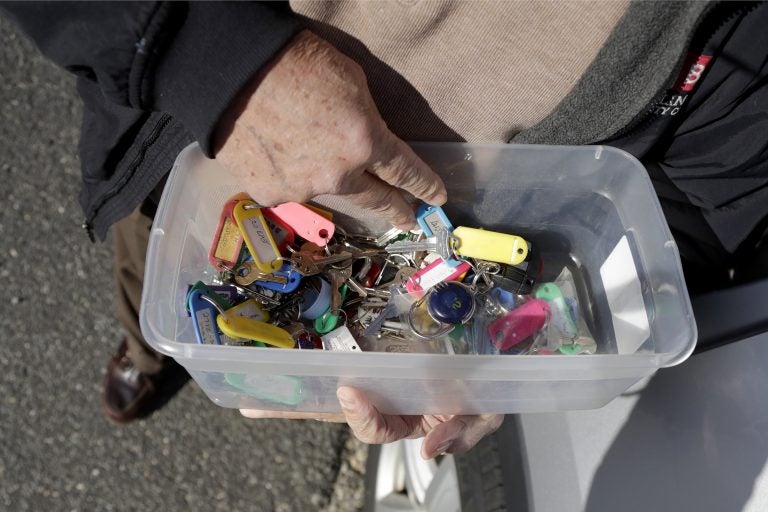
(153, 76)
(156, 76)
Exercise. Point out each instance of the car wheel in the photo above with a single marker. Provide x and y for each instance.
(490, 477)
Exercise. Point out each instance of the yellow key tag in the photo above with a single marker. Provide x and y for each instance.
(490, 246)
(257, 237)
(240, 327)
(249, 308)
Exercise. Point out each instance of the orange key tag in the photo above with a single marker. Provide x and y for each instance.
(257, 236)
(227, 242)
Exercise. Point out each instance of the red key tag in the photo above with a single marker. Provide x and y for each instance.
(306, 223)
(436, 272)
(228, 240)
(281, 232)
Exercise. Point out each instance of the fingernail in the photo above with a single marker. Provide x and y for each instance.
(346, 400)
(443, 447)
(440, 199)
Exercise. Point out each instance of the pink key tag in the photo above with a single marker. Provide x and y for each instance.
(436, 272)
(519, 324)
(306, 223)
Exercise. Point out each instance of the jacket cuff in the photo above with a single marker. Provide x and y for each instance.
(217, 49)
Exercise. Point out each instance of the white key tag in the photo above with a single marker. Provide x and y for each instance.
(340, 340)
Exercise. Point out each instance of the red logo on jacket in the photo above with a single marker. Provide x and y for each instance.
(695, 66)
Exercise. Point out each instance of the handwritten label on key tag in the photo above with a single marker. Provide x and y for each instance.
(249, 308)
(223, 295)
(282, 233)
(203, 319)
(433, 219)
(306, 223)
(436, 272)
(227, 241)
(490, 246)
(257, 236)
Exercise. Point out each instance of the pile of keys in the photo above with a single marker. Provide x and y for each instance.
(288, 277)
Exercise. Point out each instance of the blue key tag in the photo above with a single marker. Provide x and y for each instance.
(451, 303)
(432, 219)
(316, 298)
(203, 319)
(287, 271)
(504, 298)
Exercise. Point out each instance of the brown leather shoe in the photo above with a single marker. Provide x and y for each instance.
(130, 394)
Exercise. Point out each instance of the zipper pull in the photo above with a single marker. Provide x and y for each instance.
(88, 227)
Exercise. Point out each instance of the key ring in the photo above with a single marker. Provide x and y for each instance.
(445, 328)
(216, 306)
(450, 304)
(482, 270)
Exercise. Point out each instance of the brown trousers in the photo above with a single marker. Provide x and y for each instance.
(131, 236)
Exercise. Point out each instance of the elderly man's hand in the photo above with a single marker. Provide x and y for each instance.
(442, 434)
(308, 126)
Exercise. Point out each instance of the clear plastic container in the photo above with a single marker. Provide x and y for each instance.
(590, 208)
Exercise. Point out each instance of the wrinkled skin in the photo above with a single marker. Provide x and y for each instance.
(308, 126)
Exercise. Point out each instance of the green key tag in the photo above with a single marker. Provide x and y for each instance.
(561, 316)
(281, 389)
(328, 321)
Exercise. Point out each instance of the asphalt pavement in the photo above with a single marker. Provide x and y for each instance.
(58, 329)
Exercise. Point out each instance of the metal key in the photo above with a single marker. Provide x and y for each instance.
(441, 243)
(248, 272)
(388, 236)
(403, 275)
(308, 264)
(228, 277)
(388, 311)
(378, 293)
(338, 276)
(356, 287)
(270, 301)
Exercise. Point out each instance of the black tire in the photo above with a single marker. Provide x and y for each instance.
(491, 476)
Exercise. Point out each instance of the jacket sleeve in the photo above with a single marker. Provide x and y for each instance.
(186, 59)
